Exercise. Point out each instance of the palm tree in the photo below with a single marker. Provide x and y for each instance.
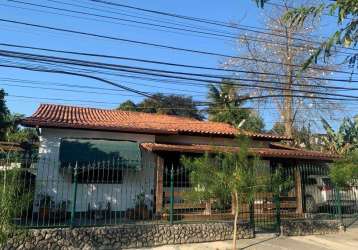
(225, 105)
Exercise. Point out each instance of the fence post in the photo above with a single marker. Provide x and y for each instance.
(252, 215)
(73, 211)
(339, 204)
(278, 212)
(171, 195)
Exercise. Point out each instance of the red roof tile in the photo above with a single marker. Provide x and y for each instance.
(262, 152)
(60, 116)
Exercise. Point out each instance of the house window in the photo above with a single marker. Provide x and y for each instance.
(99, 161)
(96, 153)
(100, 176)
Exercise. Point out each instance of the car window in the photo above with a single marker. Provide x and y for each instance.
(311, 181)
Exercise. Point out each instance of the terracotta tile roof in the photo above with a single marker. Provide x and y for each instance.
(262, 152)
(60, 116)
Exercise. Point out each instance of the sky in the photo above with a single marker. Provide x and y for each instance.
(27, 89)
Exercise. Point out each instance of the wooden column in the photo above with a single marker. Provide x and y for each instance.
(298, 191)
(159, 184)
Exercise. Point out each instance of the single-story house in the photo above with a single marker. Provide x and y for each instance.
(146, 145)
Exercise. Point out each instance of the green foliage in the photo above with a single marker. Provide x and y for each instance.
(344, 140)
(226, 106)
(345, 171)
(10, 129)
(165, 104)
(218, 176)
(302, 137)
(4, 116)
(128, 106)
(347, 35)
(13, 201)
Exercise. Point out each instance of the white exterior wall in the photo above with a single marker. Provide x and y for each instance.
(56, 182)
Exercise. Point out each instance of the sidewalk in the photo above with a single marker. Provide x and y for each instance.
(345, 240)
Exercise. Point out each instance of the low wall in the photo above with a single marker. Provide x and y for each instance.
(309, 227)
(127, 236)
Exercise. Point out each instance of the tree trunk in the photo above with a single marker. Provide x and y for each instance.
(234, 235)
(288, 99)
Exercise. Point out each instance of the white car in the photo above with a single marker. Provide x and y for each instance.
(319, 192)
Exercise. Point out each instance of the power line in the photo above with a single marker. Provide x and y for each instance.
(191, 18)
(184, 65)
(81, 75)
(162, 73)
(122, 19)
(142, 16)
(81, 91)
(260, 40)
(149, 96)
(116, 22)
(160, 45)
(17, 80)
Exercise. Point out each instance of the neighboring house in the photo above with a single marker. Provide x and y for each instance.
(146, 147)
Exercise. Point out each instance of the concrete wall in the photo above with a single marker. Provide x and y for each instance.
(53, 180)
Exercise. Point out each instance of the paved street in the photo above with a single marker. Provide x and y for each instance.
(346, 240)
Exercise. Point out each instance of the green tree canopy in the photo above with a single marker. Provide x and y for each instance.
(128, 106)
(10, 129)
(345, 139)
(165, 104)
(345, 171)
(225, 105)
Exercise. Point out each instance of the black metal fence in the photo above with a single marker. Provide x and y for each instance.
(114, 192)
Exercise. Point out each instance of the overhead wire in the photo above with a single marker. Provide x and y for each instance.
(255, 39)
(184, 65)
(147, 95)
(114, 22)
(161, 45)
(162, 73)
(185, 17)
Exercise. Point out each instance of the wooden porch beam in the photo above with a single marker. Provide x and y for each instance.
(298, 191)
(159, 184)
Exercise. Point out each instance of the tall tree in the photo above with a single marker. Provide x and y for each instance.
(278, 44)
(166, 104)
(229, 178)
(225, 105)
